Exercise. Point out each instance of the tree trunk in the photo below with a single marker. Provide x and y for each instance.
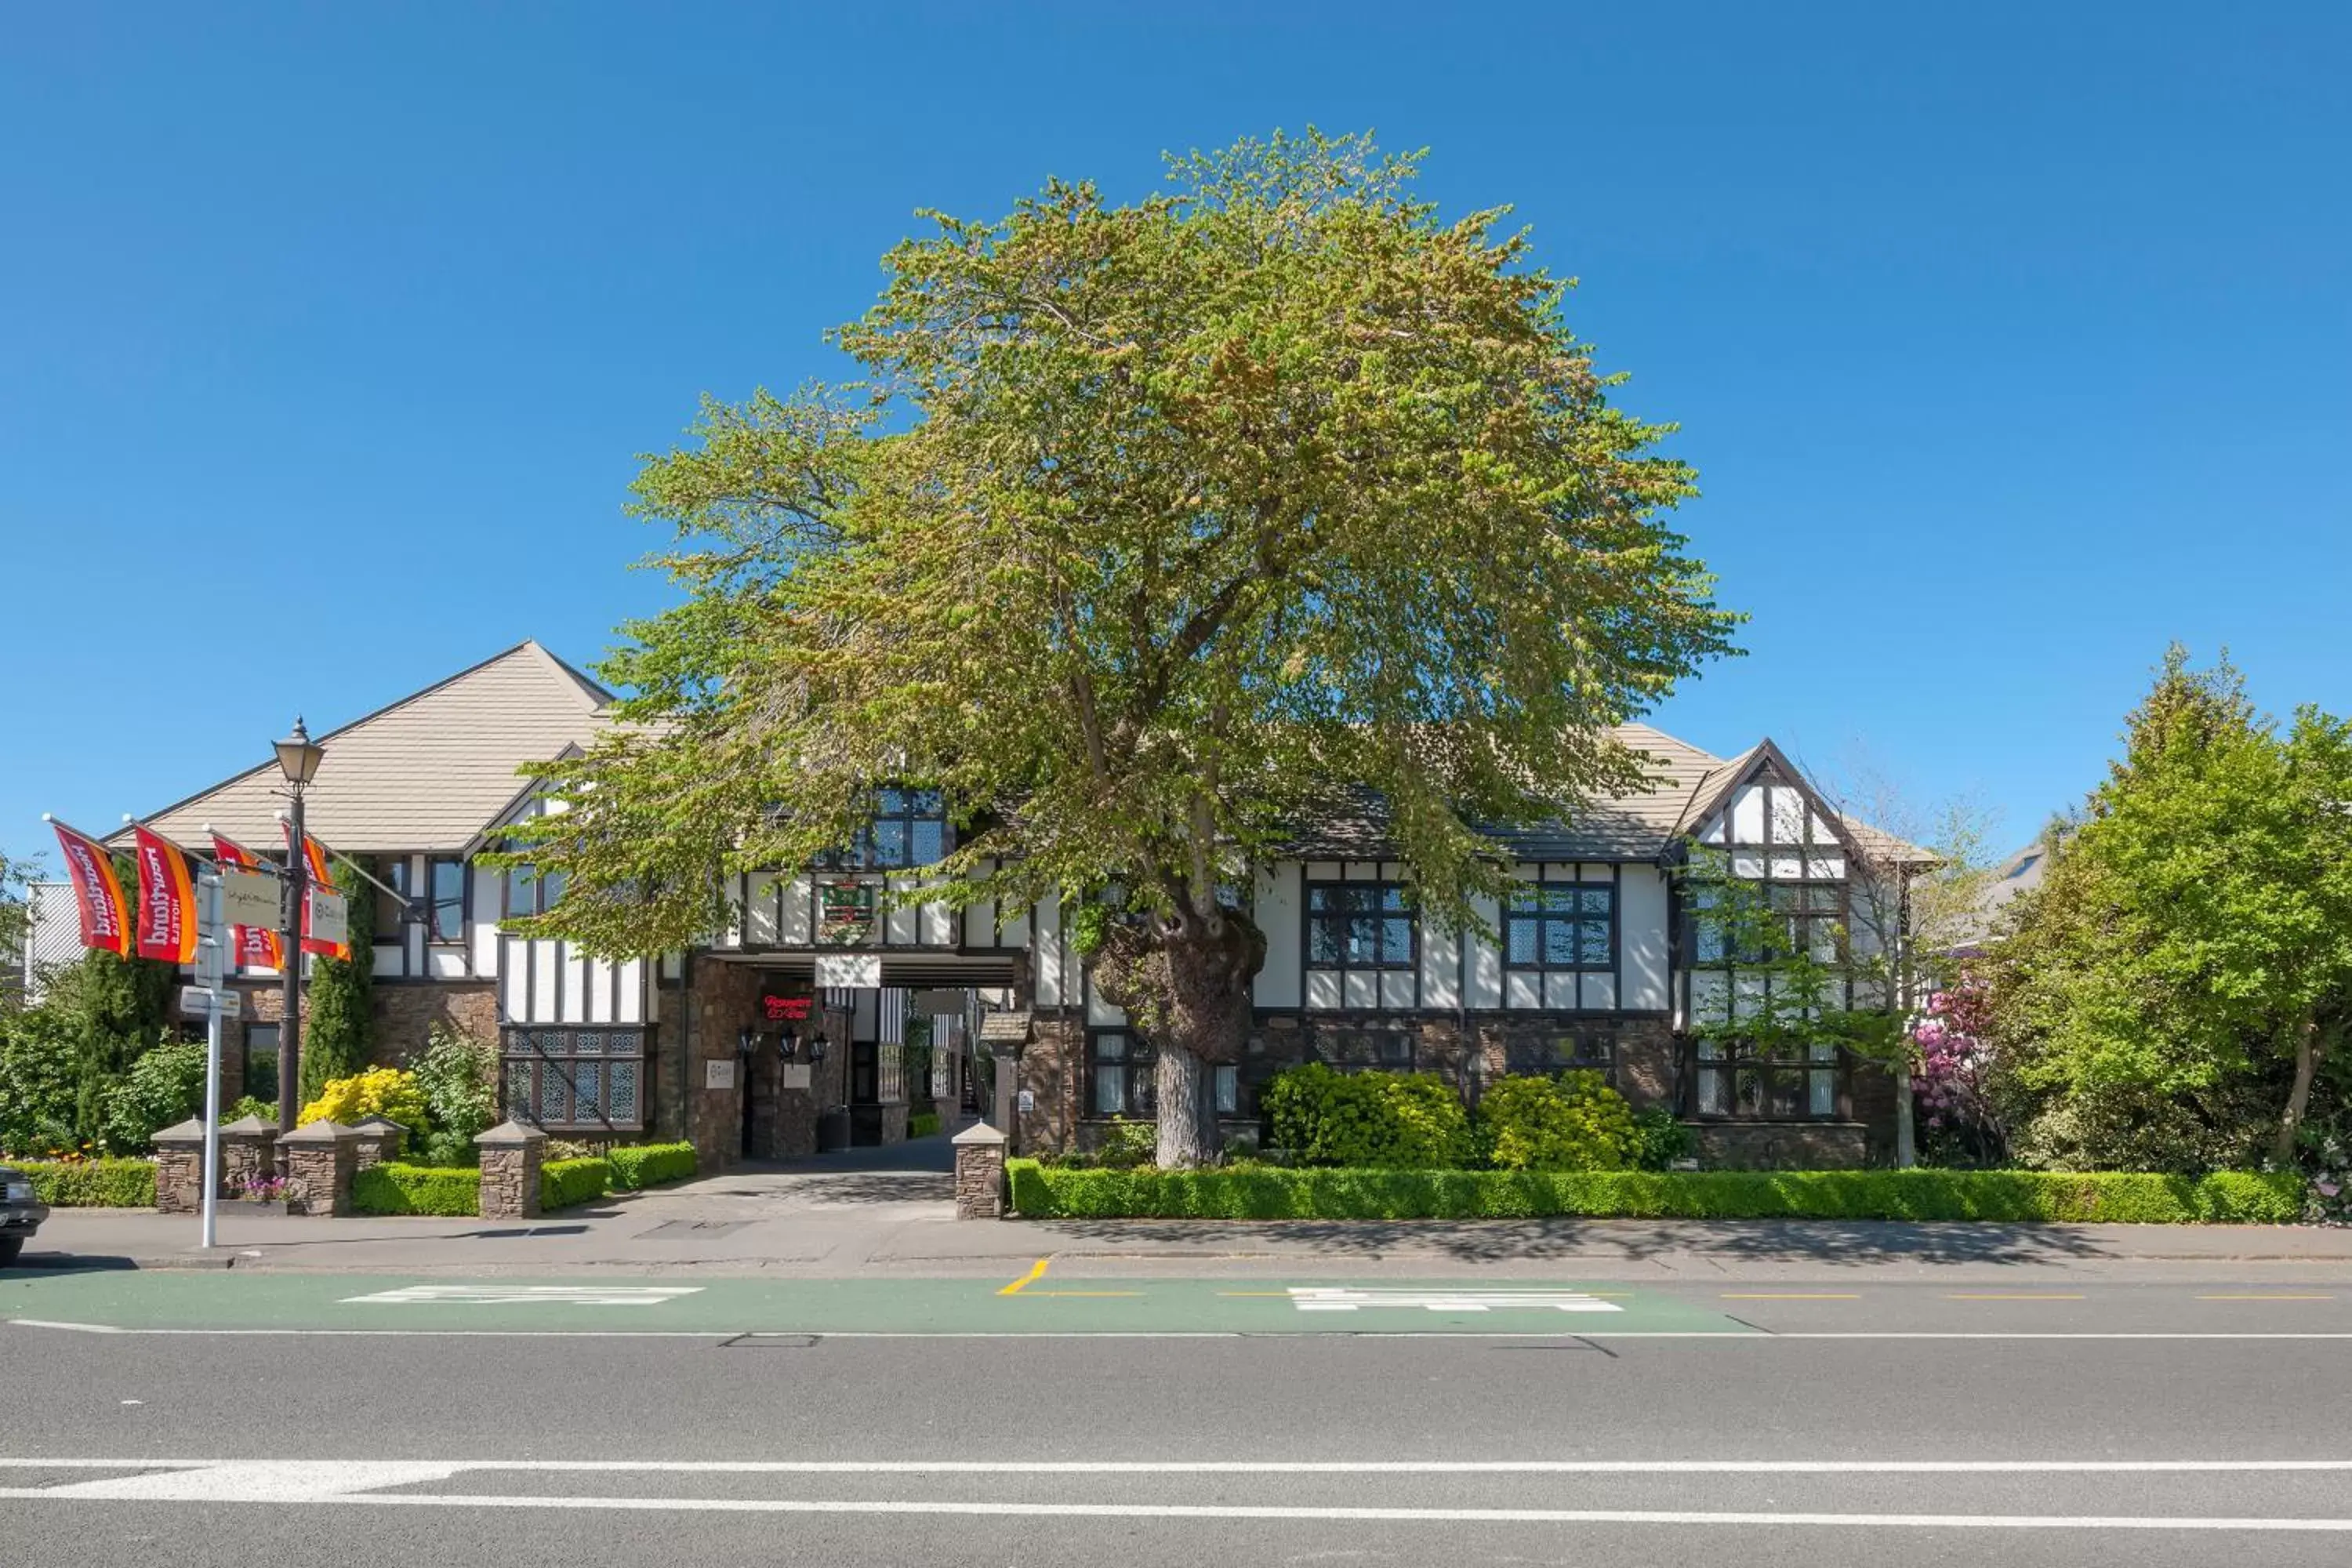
(1906, 1135)
(1176, 1084)
(2298, 1099)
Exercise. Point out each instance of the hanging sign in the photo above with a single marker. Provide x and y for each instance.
(844, 913)
(849, 971)
(258, 944)
(97, 894)
(327, 926)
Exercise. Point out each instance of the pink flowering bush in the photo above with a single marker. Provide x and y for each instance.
(1951, 1089)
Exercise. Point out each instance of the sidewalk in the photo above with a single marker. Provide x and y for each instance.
(804, 1223)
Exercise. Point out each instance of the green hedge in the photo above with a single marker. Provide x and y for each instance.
(1278, 1193)
(91, 1183)
(923, 1124)
(395, 1188)
(565, 1182)
(638, 1165)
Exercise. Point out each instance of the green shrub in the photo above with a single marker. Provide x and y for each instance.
(1572, 1122)
(1661, 1138)
(1396, 1121)
(1127, 1144)
(565, 1182)
(638, 1165)
(395, 1188)
(91, 1183)
(164, 1085)
(923, 1124)
(252, 1105)
(445, 1149)
(458, 1075)
(1260, 1192)
(40, 1079)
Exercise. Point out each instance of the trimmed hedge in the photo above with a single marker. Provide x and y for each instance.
(565, 1182)
(395, 1188)
(91, 1183)
(1280, 1192)
(923, 1124)
(638, 1165)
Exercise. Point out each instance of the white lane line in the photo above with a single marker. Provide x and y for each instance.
(1373, 1515)
(257, 1480)
(446, 1468)
(524, 1296)
(1350, 1298)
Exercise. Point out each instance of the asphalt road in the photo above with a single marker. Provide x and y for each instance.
(2039, 1426)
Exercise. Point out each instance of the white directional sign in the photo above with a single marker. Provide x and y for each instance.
(524, 1295)
(1349, 1299)
(198, 1000)
(248, 899)
(849, 971)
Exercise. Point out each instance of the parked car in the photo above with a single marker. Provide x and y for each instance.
(21, 1213)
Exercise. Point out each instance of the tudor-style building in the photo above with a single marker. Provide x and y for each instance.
(1600, 961)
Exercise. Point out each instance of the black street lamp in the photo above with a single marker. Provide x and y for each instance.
(298, 758)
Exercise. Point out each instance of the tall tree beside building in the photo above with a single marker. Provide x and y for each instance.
(2180, 987)
(1152, 532)
(338, 1031)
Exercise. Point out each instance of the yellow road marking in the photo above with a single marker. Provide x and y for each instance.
(2266, 1297)
(1992, 1296)
(1037, 1272)
(1790, 1296)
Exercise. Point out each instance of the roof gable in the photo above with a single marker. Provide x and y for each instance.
(426, 773)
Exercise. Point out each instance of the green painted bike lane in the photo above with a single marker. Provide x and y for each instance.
(170, 1300)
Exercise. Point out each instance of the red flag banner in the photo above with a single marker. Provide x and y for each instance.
(257, 947)
(167, 899)
(97, 893)
(314, 855)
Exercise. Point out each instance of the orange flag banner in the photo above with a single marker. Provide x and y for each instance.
(97, 892)
(257, 947)
(314, 855)
(167, 899)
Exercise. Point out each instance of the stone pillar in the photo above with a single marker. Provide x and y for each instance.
(248, 1154)
(179, 1162)
(379, 1140)
(979, 1173)
(511, 1155)
(319, 1160)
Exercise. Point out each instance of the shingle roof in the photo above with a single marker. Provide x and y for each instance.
(428, 772)
(1636, 826)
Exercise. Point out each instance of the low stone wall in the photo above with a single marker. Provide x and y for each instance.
(1783, 1145)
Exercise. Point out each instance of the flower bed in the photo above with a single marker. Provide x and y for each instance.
(1278, 1193)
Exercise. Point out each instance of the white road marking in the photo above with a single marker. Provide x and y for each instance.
(447, 1469)
(197, 1488)
(524, 1296)
(1349, 1298)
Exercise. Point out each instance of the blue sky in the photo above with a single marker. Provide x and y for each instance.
(2008, 341)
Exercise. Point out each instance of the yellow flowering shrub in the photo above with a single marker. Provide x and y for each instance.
(388, 1092)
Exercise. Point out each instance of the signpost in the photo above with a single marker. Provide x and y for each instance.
(211, 949)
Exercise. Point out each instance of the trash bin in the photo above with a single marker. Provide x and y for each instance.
(833, 1131)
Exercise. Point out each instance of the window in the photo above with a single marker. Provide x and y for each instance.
(1815, 912)
(529, 893)
(261, 1060)
(1356, 1050)
(1561, 925)
(446, 919)
(1739, 1081)
(1550, 1053)
(574, 1079)
(1359, 925)
(909, 829)
(1119, 1072)
(390, 913)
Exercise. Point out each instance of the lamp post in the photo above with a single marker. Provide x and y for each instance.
(298, 759)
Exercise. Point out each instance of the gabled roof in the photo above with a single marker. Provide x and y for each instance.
(1715, 792)
(428, 772)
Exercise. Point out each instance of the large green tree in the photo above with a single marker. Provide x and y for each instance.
(1152, 532)
(2190, 953)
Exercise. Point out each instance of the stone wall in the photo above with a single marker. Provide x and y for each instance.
(722, 1000)
(405, 1012)
(1782, 1145)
